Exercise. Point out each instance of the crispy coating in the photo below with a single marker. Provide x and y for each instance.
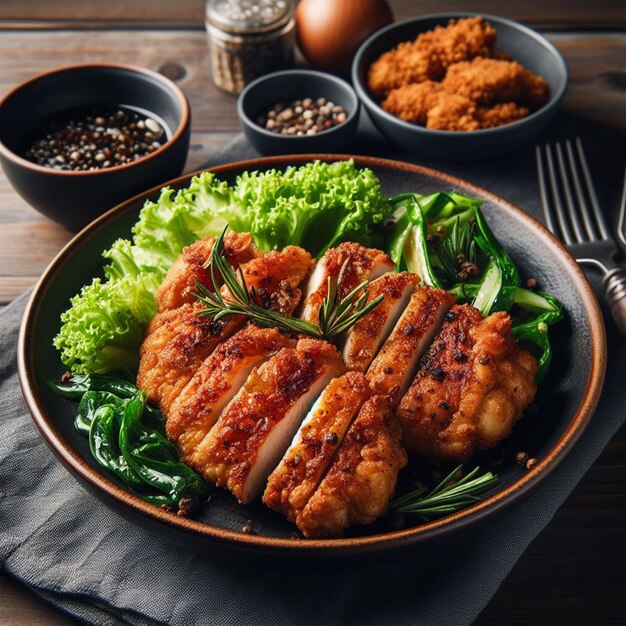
(452, 112)
(362, 477)
(492, 81)
(430, 105)
(293, 482)
(473, 384)
(392, 371)
(499, 114)
(412, 103)
(180, 283)
(217, 380)
(272, 402)
(428, 57)
(361, 264)
(367, 335)
(178, 340)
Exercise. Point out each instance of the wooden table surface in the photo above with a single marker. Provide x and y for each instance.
(574, 571)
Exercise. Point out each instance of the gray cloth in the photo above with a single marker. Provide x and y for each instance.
(86, 560)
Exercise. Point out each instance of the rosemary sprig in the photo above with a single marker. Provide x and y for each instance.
(448, 496)
(459, 247)
(334, 317)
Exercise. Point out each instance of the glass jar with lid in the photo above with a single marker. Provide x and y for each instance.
(248, 38)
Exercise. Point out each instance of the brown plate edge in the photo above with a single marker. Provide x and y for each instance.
(368, 544)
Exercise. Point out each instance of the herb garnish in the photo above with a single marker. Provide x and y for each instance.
(334, 317)
(448, 496)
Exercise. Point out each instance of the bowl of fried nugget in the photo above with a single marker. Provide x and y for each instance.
(459, 87)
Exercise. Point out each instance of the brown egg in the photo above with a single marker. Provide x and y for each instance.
(330, 31)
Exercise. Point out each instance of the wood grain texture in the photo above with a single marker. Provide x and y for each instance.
(189, 14)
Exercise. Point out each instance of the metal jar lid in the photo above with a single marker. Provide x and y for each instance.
(248, 16)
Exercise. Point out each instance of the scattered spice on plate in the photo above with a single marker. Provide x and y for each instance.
(521, 457)
(302, 117)
(531, 463)
(88, 139)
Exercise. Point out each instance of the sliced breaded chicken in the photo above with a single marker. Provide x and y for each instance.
(179, 285)
(251, 436)
(393, 369)
(362, 476)
(300, 471)
(276, 276)
(179, 340)
(176, 344)
(473, 384)
(216, 382)
(366, 337)
(362, 264)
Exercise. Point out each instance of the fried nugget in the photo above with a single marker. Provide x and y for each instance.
(491, 81)
(499, 114)
(428, 57)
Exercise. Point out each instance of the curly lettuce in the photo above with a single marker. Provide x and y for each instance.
(315, 206)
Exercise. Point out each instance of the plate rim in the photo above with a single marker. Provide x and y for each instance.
(173, 525)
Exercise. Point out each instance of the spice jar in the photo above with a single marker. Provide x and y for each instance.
(248, 38)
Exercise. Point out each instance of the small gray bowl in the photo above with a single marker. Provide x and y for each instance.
(76, 198)
(526, 46)
(290, 85)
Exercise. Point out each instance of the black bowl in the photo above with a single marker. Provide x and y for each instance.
(525, 45)
(76, 198)
(290, 85)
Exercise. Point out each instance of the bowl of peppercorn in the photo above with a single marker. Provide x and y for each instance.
(298, 111)
(78, 140)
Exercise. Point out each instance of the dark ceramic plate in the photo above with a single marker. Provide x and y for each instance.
(566, 400)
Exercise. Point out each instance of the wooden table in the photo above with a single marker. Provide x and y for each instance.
(573, 573)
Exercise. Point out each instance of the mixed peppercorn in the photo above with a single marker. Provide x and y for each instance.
(302, 117)
(86, 139)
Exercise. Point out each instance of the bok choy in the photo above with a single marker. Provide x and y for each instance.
(127, 438)
(445, 238)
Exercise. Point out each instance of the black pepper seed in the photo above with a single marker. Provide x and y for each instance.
(388, 370)
(531, 463)
(437, 373)
(531, 283)
(248, 527)
(521, 457)
(484, 360)
(450, 316)
(85, 140)
(459, 356)
(302, 117)
(408, 330)
(332, 438)
(444, 405)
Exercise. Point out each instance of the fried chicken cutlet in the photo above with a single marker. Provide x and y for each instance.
(429, 56)
(362, 477)
(474, 383)
(179, 340)
(179, 285)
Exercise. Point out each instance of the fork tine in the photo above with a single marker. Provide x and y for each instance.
(548, 212)
(556, 199)
(566, 185)
(591, 191)
(583, 207)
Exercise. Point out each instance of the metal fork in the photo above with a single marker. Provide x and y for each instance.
(572, 213)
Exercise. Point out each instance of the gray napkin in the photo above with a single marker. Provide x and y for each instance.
(86, 560)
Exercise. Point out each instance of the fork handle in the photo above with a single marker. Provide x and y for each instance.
(614, 283)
